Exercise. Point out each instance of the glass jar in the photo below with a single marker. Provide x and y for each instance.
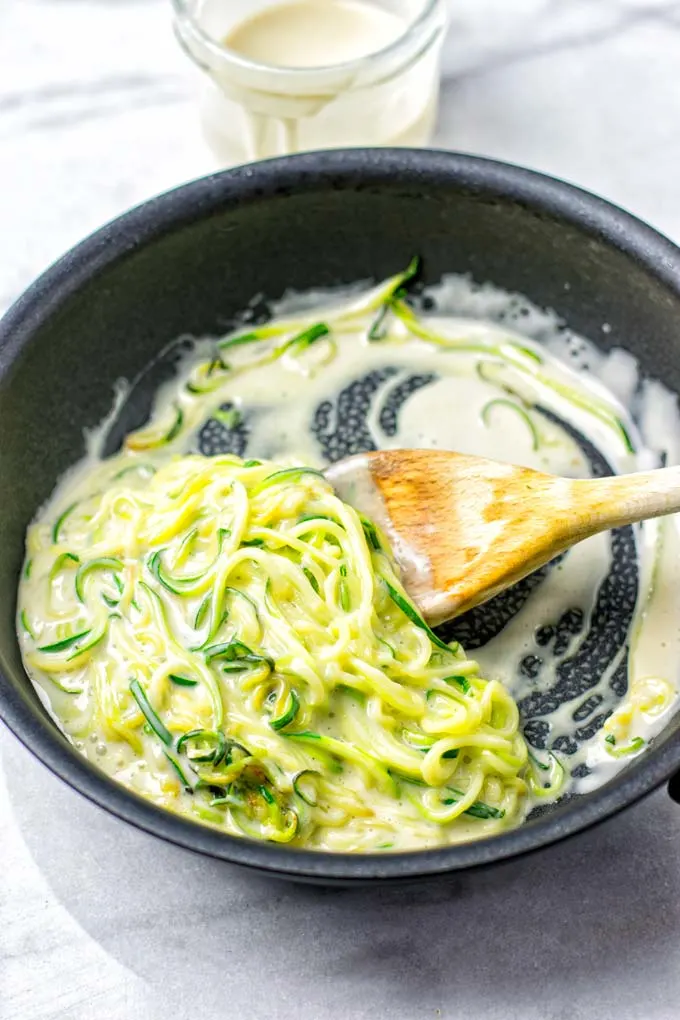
(252, 110)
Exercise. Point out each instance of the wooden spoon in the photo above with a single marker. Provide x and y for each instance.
(464, 528)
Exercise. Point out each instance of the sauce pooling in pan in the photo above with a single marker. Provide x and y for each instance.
(296, 697)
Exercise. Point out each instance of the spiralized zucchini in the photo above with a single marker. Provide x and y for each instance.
(234, 642)
(227, 638)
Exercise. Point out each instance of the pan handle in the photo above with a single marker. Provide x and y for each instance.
(674, 787)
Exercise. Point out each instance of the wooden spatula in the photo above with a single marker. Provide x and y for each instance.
(464, 528)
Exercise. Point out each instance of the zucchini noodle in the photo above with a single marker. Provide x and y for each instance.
(308, 703)
(227, 638)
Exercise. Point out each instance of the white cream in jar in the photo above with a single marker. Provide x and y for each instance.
(311, 74)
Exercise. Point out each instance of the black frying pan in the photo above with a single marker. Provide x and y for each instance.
(189, 261)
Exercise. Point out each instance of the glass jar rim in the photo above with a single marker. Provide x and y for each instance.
(185, 18)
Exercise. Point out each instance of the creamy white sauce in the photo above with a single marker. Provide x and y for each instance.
(280, 401)
(447, 415)
(314, 33)
(312, 74)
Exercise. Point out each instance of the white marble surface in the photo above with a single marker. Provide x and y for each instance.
(99, 921)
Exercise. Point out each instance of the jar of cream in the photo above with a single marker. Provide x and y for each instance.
(289, 76)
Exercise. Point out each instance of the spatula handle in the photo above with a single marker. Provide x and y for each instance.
(626, 499)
